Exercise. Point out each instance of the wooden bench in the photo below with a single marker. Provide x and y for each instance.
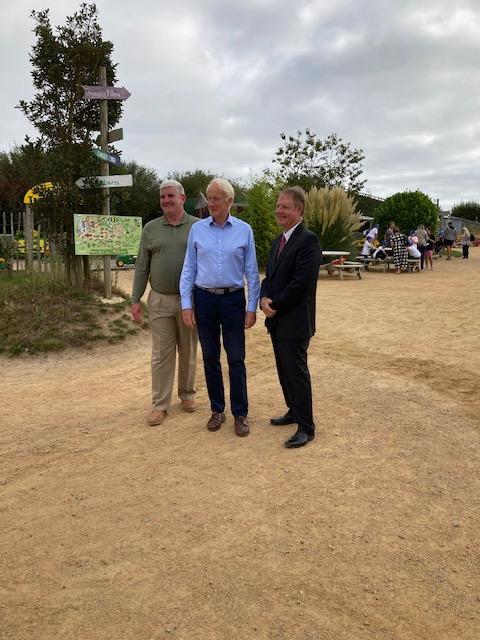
(413, 264)
(369, 262)
(348, 267)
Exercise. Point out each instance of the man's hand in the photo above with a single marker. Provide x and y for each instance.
(250, 319)
(266, 308)
(189, 318)
(137, 312)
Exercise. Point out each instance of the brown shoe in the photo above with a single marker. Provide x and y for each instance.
(242, 428)
(156, 417)
(216, 421)
(188, 405)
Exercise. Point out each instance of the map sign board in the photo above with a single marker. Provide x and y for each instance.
(98, 235)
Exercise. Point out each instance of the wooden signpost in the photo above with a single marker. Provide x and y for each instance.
(104, 93)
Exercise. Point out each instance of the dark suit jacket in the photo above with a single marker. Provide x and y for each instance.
(291, 282)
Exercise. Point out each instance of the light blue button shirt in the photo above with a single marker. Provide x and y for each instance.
(220, 256)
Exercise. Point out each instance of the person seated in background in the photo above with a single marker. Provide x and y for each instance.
(368, 248)
(380, 253)
(412, 248)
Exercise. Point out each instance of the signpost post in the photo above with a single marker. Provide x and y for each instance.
(104, 170)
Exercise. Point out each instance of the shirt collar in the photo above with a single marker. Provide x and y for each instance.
(287, 234)
(183, 220)
(230, 220)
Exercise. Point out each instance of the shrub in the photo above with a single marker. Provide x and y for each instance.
(331, 214)
(469, 210)
(407, 209)
(260, 215)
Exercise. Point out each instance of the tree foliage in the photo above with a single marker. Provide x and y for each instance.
(64, 58)
(260, 215)
(308, 161)
(407, 209)
(469, 210)
(331, 214)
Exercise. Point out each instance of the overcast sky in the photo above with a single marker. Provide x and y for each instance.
(214, 82)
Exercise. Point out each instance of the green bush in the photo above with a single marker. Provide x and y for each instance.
(469, 210)
(260, 215)
(331, 215)
(407, 209)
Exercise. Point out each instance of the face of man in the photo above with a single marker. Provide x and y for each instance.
(171, 201)
(287, 212)
(218, 202)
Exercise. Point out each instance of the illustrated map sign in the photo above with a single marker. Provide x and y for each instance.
(98, 235)
(115, 135)
(105, 182)
(97, 92)
(112, 158)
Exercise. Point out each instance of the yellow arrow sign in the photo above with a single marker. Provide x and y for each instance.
(32, 194)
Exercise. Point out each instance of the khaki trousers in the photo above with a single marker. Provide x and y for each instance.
(169, 334)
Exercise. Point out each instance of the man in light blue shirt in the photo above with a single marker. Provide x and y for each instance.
(220, 256)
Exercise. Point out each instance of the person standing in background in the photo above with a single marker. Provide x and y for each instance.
(422, 243)
(466, 242)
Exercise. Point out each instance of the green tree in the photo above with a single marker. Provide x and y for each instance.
(63, 59)
(143, 198)
(308, 161)
(407, 209)
(260, 215)
(469, 210)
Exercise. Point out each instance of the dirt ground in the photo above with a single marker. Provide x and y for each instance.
(115, 530)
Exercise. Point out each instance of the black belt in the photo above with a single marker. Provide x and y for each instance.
(220, 291)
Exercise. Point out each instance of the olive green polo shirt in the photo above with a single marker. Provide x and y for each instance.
(160, 256)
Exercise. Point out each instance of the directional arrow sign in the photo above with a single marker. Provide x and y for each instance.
(97, 92)
(112, 158)
(106, 182)
(113, 136)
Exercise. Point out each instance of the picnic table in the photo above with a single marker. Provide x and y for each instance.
(341, 265)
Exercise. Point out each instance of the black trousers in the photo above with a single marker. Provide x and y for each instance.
(223, 315)
(294, 376)
(465, 248)
(422, 249)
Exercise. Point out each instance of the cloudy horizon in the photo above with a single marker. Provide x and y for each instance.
(214, 85)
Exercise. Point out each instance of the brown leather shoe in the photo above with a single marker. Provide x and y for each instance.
(188, 405)
(156, 417)
(242, 428)
(216, 421)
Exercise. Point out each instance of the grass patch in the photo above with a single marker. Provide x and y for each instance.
(41, 312)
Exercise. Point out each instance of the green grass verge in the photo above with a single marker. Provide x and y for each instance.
(41, 312)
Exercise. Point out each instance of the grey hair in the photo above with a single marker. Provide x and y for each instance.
(225, 186)
(173, 183)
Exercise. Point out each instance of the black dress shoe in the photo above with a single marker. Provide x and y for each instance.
(298, 439)
(281, 420)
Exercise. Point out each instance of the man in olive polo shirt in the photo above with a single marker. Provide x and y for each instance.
(160, 260)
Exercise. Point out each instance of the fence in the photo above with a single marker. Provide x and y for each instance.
(15, 226)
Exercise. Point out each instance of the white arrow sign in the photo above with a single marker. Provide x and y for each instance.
(106, 182)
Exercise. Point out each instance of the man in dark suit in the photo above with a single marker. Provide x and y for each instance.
(288, 301)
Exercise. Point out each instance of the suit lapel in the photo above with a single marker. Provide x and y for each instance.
(288, 247)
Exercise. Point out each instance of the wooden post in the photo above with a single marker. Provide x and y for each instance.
(105, 171)
(39, 252)
(28, 233)
(16, 250)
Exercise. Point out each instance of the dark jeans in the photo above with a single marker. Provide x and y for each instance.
(422, 249)
(292, 368)
(465, 248)
(225, 315)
